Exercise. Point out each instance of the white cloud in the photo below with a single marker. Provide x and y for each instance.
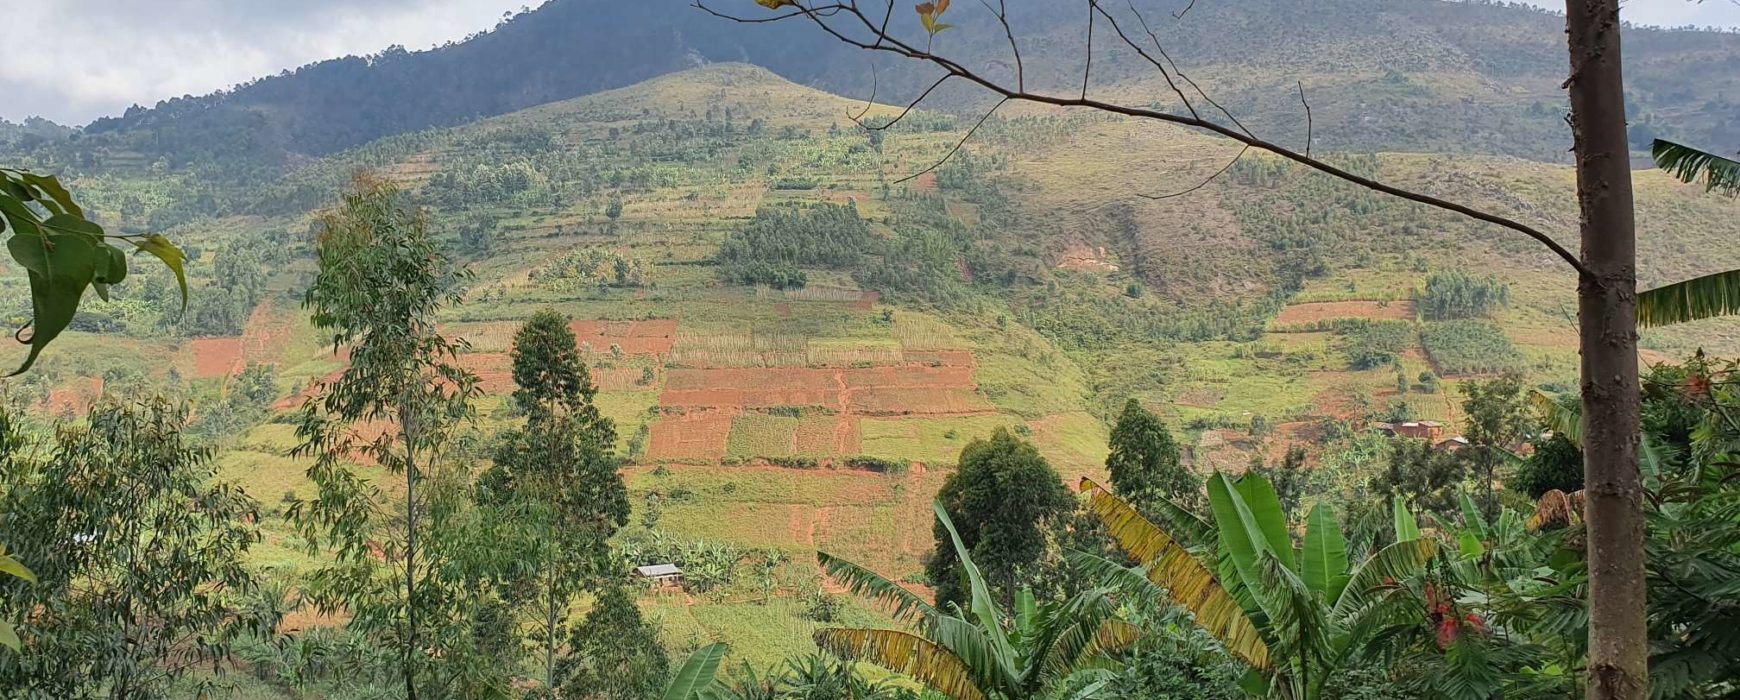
(90, 58)
(1669, 13)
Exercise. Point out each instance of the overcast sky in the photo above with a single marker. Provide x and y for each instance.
(91, 58)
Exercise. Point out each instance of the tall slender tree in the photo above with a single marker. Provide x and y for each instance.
(381, 280)
(557, 475)
(1607, 326)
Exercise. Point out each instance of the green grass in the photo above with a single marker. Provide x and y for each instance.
(759, 435)
(933, 441)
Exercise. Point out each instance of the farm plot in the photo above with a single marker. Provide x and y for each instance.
(761, 435)
(692, 435)
(216, 357)
(1469, 347)
(1316, 315)
(929, 440)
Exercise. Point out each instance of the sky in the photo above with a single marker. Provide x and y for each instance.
(92, 58)
(89, 58)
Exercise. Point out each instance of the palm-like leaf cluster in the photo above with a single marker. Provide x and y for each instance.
(981, 652)
(1298, 615)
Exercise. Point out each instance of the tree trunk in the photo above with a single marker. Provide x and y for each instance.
(1607, 319)
(411, 647)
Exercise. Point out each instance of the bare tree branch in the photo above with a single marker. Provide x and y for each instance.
(1307, 118)
(909, 107)
(1088, 69)
(1144, 54)
(818, 14)
(871, 102)
(1181, 13)
(1205, 181)
(1002, 13)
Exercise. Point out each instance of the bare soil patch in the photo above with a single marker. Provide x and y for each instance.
(1299, 314)
(216, 357)
(694, 435)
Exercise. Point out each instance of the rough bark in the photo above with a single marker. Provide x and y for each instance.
(1607, 298)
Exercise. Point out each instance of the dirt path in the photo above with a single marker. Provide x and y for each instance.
(843, 415)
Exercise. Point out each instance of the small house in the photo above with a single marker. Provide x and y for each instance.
(1451, 444)
(660, 575)
(1429, 430)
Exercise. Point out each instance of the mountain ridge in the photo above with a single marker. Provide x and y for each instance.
(1419, 75)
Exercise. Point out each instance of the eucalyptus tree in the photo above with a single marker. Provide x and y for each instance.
(139, 557)
(1001, 496)
(556, 477)
(398, 404)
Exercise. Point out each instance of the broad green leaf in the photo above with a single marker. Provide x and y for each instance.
(57, 193)
(983, 606)
(1026, 614)
(19, 218)
(11, 566)
(1241, 539)
(31, 252)
(55, 296)
(1406, 527)
(1470, 545)
(9, 637)
(1188, 581)
(1386, 569)
(1259, 496)
(1325, 553)
(1690, 165)
(69, 225)
(1694, 299)
(172, 256)
(696, 673)
(1471, 517)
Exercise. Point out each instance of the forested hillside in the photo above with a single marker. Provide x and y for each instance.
(1394, 75)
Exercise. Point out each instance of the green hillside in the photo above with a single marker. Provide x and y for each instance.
(1021, 285)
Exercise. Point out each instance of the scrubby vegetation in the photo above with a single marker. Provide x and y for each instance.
(1469, 347)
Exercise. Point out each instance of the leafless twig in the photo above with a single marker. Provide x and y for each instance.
(1088, 69)
(1204, 182)
(958, 144)
(1307, 118)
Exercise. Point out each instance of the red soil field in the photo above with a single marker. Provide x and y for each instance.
(900, 401)
(1323, 311)
(216, 357)
(495, 371)
(907, 389)
(699, 434)
(653, 337)
(74, 396)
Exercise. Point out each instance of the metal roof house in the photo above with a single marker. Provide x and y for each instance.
(660, 574)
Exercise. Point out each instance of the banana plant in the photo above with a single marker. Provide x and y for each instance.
(1296, 616)
(981, 653)
(1703, 297)
(697, 679)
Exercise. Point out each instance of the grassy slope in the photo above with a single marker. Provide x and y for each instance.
(1071, 178)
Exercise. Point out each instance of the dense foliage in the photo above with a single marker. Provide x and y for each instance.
(140, 561)
(1002, 494)
(1456, 294)
(1469, 347)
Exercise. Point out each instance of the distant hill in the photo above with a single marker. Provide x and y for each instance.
(1382, 75)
